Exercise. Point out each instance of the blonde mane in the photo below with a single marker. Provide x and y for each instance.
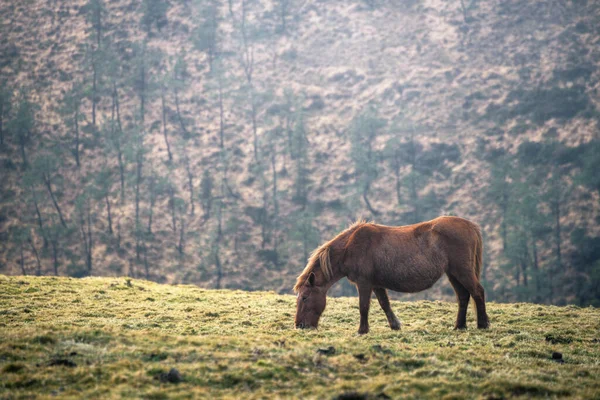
(321, 255)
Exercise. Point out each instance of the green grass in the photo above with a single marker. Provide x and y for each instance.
(104, 338)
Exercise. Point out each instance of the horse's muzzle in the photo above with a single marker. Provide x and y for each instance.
(300, 325)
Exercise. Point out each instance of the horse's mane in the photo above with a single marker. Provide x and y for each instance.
(321, 255)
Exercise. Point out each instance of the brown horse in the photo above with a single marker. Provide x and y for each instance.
(404, 259)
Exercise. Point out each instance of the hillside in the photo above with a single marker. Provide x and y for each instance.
(218, 143)
(116, 337)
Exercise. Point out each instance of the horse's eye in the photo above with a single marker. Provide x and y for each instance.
(304, 298)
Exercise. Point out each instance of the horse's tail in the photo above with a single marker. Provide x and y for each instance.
(478, 256)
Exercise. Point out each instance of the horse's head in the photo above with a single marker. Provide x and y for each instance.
(310, 303)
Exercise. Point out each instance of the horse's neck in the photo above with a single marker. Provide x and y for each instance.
(335, 259)
(337, 275)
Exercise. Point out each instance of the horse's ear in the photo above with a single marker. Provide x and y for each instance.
(311, 279)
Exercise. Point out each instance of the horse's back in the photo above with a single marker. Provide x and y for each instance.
(454, 227)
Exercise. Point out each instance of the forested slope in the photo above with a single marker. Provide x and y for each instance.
(218, 142)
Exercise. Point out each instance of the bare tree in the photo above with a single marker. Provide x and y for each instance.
(5, 107)
(247, 62)
(71, 112)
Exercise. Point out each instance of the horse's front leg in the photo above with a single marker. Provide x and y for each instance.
(364, 301)
(384, 302)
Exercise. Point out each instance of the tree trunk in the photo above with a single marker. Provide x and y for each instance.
(122, 173)
(84, 238)
(77, 138)
(275, 200)
(367, 185)
(248, 65)
(164, 121)
(503, 225)
(138, 182)
(207, 206)
(56, 206)
(118, 142)
(536, 270)
(283, 14)
(415, 196)
(524, 263)
(108, 214)
(90, 241)
(172, 205)
(464, 10)
(368, 177)
(230, 6)
(151, 185)
(117, 107)
(22, 142)
(211, 52)
(265, 218)
(184, 131)
(22, 260)
(142, 94)
(274, 172)
(39, 218)
(38, 271)
(180, 245)
(1, 122)
(398, 181)
(290, 139)
(368, 203)
(98, 26)
(221, 116)
(263, 230)
(146, 265)
(55, 257)
(219, 269)
(119, 233)
(236, 244)
(557, 230)
(550, 273)
(190, 182)
(217, 247)
(254, 129)
(413, 180)
(94, 91)
(305, 244)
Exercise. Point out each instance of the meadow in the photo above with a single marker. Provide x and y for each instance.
(123, 338)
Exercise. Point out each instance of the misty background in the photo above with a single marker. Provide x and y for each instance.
(218, 143)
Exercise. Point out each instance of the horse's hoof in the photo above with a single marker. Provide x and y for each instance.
(460, 328)
(363, 331)
(483, 326)
(395, 325)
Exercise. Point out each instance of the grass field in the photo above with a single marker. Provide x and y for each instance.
(113, 338)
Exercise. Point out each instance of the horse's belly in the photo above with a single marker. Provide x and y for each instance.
(411, 280)
(412, 287)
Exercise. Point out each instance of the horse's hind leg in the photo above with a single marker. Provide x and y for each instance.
(364, 299)
(384, 302)
(471, 283)
(482, 318)
(463, 296)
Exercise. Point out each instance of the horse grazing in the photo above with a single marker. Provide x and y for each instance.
(404, 259)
